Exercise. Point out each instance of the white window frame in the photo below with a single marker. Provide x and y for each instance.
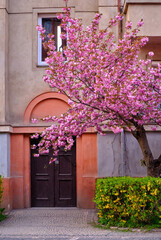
(59, 40)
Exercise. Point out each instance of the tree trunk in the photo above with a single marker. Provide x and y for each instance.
(153, 165)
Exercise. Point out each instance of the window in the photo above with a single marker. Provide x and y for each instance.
(51, 25)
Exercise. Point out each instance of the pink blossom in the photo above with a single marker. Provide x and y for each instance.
(97, 15)
(154, 128)
(39, 28)
(144, 40)
(151, 54)
(106, 83)
(128, 25)
(36, 155)
(34, 120)
(45, 151)
(33, 146)
(119, 17)
(52, 160)
(116, 129)
(60, 16)
(140, 23)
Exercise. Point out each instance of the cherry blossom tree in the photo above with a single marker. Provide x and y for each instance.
(107, 85)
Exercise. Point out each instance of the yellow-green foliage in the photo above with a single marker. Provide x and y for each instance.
(126, 201)
(2, 216)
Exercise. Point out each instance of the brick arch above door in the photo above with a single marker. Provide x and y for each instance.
(50, 103)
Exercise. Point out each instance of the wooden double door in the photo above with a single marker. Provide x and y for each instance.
(53, 185)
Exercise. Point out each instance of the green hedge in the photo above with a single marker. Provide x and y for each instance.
(128, 202)
(1, 192)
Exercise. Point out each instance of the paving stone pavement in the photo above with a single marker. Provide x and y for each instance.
(62, 224)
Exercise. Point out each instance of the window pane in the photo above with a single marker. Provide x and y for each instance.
(51, 26)
(59, 40)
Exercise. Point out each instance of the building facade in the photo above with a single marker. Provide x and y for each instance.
(24, 95)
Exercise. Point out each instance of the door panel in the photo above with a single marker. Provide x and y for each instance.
(65, 175)
(42, 181)
(53, 185)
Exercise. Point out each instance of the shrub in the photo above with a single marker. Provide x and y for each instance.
(128, 202)
(1, 192)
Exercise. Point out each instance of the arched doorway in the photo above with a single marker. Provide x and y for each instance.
(52, 185)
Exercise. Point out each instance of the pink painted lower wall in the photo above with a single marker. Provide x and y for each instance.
(86, 169)
(17, 189)
(17, 170)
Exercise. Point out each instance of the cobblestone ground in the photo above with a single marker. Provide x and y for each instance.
(62, 224)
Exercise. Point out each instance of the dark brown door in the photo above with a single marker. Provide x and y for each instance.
(53, 185)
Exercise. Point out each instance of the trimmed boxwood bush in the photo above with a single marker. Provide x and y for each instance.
(128, 202)
(1, 192)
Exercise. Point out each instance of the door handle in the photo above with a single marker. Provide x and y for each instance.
(57, 162)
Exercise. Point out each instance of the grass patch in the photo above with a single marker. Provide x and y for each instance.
(146, 228)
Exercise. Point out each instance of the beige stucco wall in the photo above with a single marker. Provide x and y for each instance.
(21, 78)
(3, 62)
(25, 81)
(25, 77)
(4, 4)
(150, 13)
(23, 6)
